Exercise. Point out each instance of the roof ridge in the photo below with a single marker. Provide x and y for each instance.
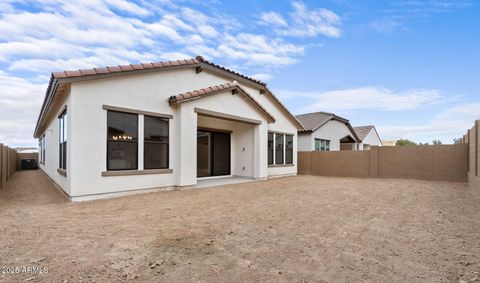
(317, 112)
(146, 65)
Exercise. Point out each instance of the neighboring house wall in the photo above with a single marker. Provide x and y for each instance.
(305, 142)
(87, 130)
(370, 140)
(332, 130)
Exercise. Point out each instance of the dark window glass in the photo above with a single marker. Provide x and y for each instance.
(322, 145)
(122, 141)
(155, 143)
(288, 149)
(279, 144)
(270, 148)
(62, 133)
(317, 144)
(43, 149)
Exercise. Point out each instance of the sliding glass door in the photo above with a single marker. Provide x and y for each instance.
(213, 153)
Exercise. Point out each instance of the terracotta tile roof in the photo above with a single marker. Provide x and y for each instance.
(203, 92)
(313, 121)
(143, 66)
(64, 77)
(362, 131)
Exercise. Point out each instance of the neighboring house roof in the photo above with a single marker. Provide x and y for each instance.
(26, 149)
(363, 131)
(231, 86)
(313, 121)
(61, 78)
(389, 143)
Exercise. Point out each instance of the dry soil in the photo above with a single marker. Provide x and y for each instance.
(295, 229)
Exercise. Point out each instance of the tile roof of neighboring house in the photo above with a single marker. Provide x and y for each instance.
(199, 62)
(313, 121)
(199, 93)
(362, 131)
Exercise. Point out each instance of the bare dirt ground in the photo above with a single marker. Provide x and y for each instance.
(296, 229)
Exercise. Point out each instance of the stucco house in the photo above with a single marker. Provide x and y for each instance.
(157, 126)
(323, 131)
(368, 136)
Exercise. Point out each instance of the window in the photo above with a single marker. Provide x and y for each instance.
(322, 145)
(122, 141)
(155, 150)
(62, 130)
(41, 149)
(288, 149)
(270, 148)
(279, 147)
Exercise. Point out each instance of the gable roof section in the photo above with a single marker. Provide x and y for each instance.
(65, 77)
(204, 92)
(363, 131)
(314, 121)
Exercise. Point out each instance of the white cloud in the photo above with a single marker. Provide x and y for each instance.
(56, 35)
(448, 124)
(20, 102)
(399, 14)
(304, 22)
(264, 77)
(375, 98)
(273, 18)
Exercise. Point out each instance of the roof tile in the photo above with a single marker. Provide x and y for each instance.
(102, 70)
(126, 68)
(87, 72)
(73, 73)
(114, 69)
(137, 66)
(59, 75)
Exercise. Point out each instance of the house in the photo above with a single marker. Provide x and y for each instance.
(325, 131)
(367, 136)
(389, 143)
(158, 126)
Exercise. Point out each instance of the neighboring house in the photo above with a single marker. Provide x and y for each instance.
(116, 130)
(368, 136)
(389, 143)
(325, 132)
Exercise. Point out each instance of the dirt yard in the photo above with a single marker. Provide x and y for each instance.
(297, 229)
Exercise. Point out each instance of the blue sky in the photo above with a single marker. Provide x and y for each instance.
(409, 67)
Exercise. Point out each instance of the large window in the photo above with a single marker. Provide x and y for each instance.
(322, 145)
(62, 124)
(155, 143)
(122, 141)
(288, 149)
(270, 148)
(41, 149)
(279, 147)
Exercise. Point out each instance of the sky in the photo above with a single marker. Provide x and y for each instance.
(411, 68)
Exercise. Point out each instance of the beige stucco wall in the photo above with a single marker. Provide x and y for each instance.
(370, 140)
(52, 145)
